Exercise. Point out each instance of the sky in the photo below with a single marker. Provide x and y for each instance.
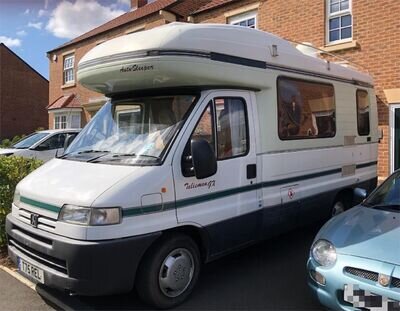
(30, 28)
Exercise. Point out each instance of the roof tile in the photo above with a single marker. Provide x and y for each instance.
(65, 101)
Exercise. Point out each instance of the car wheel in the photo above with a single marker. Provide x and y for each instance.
(338, 207)
(169, 271)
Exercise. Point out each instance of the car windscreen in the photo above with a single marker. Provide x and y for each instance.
(29, 141)
(133, 131)
(386, 196)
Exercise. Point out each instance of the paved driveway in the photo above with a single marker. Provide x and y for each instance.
(268, 276)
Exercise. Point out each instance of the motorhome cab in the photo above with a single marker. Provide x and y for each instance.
(214, 137)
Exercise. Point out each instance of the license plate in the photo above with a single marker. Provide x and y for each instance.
(360, 298)
(31, 270)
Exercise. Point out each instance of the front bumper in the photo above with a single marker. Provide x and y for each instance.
(332, 294)
(90, 268)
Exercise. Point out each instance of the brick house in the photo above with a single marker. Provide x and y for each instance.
(20, 112)
(360, 32)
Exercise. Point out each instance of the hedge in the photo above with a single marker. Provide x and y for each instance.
(12, 170)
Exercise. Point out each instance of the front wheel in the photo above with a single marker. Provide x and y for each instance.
(169, 271)
(339, 206)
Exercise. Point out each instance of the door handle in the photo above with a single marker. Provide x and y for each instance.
(251, 171)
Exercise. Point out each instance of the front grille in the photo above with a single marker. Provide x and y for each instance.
(364, 274)
(395, 282)
(49, 261)
(44, 223)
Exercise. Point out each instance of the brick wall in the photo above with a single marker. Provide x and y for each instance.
(24, 96)
(375, 28)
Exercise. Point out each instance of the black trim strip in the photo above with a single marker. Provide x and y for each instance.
(220, 57)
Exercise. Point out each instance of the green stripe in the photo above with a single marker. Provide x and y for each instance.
(41, 205)
(136, 211)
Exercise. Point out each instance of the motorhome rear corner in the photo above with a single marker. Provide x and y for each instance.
(278, 139)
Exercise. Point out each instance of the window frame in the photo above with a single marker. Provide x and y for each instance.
(369, 115)
(68, 119)
(307, 81)
(247, 127)
(70, 68)
(339, 14)
(238, 18)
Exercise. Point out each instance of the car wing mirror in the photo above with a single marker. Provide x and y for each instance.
(203, 158)
(359, 195)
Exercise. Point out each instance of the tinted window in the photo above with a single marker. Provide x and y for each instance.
(305, 109)
(363, 112)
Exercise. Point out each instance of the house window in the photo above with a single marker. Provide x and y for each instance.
(248, 19)
(69, 61)
(339, 20)
(67, 120)
(60, 122)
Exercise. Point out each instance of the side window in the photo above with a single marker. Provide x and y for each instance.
(54, 142)
(203, 130)
(231, 127)
(363, 112)
(305, 109)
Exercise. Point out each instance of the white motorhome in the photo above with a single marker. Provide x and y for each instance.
(215, 137)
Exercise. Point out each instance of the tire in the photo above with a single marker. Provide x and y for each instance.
(169, 271)
(338, 207)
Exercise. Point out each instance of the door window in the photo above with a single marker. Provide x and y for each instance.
(54, 142)
(224, 126)
(231, 127)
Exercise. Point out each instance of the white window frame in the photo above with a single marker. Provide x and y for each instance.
(339, 14)
(244, 17)
(58, 123)
(68, 69)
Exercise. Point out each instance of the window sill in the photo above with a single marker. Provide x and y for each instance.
(68, 85)
(334, 47)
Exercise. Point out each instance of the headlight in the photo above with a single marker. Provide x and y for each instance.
(90, 216)
(324, 253)
(17, 198)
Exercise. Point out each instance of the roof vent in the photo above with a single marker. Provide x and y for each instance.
(308, 49)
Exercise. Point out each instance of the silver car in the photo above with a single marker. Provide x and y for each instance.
(42, 145)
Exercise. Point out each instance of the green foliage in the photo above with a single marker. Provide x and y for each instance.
(12, 170)
(6, 143)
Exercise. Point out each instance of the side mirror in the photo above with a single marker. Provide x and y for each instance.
(203, 158)
(42, 147)
(359, 195)
(68, 141)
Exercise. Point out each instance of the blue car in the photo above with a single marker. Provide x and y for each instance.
(354, 261)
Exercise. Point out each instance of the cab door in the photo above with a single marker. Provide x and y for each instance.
(225, 204)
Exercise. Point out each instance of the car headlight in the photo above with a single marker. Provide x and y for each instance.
(17, 198)
(324, 253)
(90, 216)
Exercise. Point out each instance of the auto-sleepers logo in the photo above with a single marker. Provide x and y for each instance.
(136, 67)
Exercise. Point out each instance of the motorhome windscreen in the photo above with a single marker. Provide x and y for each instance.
(131, 132)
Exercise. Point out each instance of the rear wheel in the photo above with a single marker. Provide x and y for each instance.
(169, 271)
